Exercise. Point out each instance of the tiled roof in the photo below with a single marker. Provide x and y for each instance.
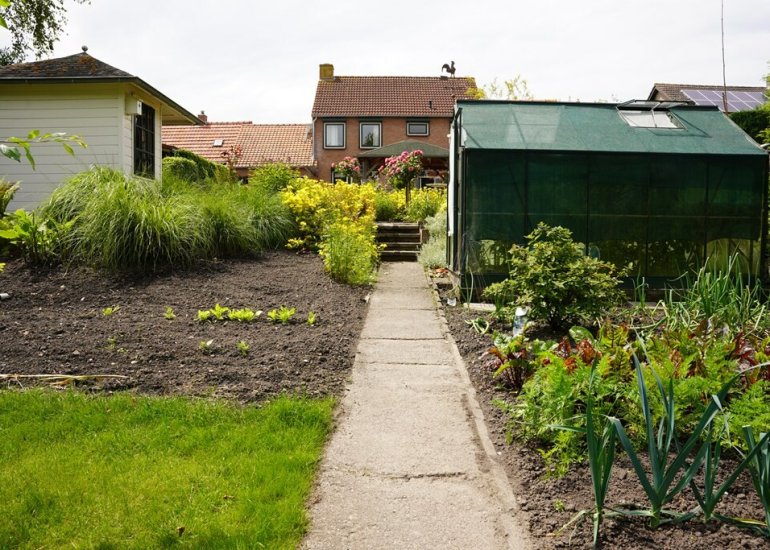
(79, 65)
(418, 96)
(673, 92)
(260, 143)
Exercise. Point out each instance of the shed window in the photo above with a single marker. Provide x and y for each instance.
(650, 119)
(417, 128)
(144, 142)
(334, 135)
(370, 135)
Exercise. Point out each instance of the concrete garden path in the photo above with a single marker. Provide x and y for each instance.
(411, 464)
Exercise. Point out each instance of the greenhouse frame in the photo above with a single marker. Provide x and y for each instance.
(660, 189)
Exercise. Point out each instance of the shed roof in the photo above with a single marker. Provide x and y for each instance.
(260, 143)
(429, 150)
(390, 96)
(83, 68)
(597, 127)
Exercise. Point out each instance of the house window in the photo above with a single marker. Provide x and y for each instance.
(370, 135)
(334, 135)
(144, 142)
(417, 128)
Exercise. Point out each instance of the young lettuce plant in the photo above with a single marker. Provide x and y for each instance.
(668, 478)
(282, 315)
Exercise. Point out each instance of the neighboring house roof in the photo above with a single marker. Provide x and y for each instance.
(739, 97)
(259, 143)
(390, 96)
(394, 149)
(83, 68)
(598, 127)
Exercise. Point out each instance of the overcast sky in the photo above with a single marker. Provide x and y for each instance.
(257, 60)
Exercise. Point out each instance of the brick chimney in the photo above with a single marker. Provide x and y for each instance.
(326, 71)
(203, 117)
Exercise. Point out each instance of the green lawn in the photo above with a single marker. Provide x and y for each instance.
(134, 472)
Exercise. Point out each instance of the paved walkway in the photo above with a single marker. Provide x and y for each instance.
(410, 464)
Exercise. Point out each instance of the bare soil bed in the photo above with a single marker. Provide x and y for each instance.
(548, 502)
(54, 324)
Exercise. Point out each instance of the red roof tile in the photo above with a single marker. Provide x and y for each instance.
(260, 143)
(395, 96)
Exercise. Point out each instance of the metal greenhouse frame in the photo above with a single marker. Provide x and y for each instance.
(661, 187)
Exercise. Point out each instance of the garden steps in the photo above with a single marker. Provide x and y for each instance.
(410, 464)
(402, 241)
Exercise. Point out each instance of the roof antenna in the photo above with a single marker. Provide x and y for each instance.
(84, 48)
(724, 74)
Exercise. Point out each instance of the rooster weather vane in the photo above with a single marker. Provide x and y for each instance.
(449, 68)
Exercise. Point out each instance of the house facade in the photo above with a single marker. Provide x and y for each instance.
(355, 116)
(257, 144)
(118, 115)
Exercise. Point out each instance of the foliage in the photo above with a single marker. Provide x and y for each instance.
(425, 203)
(7, 190)
(556, 281)
(350, 253)
(127, 223)
(433, 253)
(348, 168)
(389, 206)
(181, 168)
(244, 315)
(109, 311)
(338, 220)
(511, 360)
(39, 241)
(272, 177)
(232, 157)
(243, 347)
(206, 168)
(401, 170)
(206, 346)
(282, 315)
(312, 318)
(10, 146)
(672, 465)
(755, 122)
(137, 469)
(34, 25)
(513, 89)
(759, 466)
(169, 313)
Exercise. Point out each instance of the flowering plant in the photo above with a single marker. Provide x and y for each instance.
(402, 169)
(349, 167)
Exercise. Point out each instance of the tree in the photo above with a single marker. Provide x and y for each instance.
(35, 26)
(513, 89)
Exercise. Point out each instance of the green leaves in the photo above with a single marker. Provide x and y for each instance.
(13, 151)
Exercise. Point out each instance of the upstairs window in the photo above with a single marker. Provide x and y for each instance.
(417, 128)
(370, 135)
(144, 142)
(334, 135)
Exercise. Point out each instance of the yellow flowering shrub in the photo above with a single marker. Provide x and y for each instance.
(338, 220)
(391, 206)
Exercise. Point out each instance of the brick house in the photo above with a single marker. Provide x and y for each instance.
(259, 143)
(356, 116)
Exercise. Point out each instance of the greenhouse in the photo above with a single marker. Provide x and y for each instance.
(660, 188)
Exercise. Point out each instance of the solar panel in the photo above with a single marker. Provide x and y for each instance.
(738, 100)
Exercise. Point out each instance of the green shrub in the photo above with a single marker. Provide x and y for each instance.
(350, 253)
(227, 229)
(389, 206)
(206, 168)
(425, 203)
(557, 281)
(754, 122)
(71, 198)
(273, 177)
(182, 168)
(270, 217)
(433, 252)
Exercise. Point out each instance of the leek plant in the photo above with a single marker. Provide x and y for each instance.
(669, 476)
(759, 466)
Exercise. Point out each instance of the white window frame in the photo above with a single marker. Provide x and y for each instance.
(344, 135)
(361, 134)
(412, 133)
